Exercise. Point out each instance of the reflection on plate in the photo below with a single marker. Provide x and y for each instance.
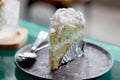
(93, 64)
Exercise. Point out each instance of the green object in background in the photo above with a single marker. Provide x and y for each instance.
(8, 70)
(33, 29)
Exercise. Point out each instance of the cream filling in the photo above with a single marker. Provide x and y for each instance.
(54, 48)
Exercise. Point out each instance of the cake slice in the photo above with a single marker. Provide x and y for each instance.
(66, 28)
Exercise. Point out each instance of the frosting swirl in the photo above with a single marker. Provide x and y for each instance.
(66, 18)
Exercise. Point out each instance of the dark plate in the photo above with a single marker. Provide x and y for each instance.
(95, 63)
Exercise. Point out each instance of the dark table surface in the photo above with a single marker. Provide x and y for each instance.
(8, 70)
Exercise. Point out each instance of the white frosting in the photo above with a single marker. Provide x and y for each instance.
(65, 18)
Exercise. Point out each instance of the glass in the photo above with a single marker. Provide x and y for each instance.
(9, 16)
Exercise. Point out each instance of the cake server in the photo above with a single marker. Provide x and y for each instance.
(75, 51)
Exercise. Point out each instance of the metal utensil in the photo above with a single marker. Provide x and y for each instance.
(41, 37)
(75, 51)
(32, 53)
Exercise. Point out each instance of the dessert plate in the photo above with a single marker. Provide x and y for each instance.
(94, 63)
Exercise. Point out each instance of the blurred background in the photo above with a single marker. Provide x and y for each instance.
(102, 16)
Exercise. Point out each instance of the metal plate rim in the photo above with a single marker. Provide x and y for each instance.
(88, 43)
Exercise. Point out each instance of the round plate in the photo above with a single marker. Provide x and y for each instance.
(93, 64)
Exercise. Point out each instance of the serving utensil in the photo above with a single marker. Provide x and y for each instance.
(75, 51)
(34, 49)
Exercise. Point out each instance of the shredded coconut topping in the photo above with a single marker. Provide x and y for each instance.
(66, 18)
